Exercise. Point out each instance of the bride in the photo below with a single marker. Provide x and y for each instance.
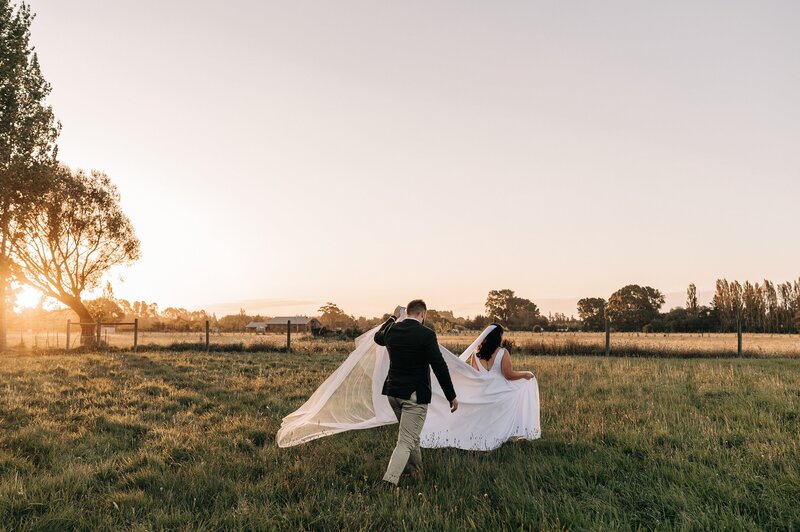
(496, 403)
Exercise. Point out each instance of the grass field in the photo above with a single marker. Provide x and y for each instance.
(186, 441)
(641, 344)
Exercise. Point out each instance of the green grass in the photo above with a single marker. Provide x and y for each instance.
(186, 441)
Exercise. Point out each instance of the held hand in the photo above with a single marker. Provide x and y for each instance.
(453, 405)
(528, 375)
(397, 311)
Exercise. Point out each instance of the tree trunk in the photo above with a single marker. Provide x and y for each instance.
(5, 273)
(3, 305)
(4, 286)
(88, 325)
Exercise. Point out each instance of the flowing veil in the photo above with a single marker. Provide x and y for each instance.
(350, 398)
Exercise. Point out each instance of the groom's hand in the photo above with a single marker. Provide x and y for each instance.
(453, 405)
(397, 311)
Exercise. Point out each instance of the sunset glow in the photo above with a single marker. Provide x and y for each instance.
(27, 297)
(275, 156)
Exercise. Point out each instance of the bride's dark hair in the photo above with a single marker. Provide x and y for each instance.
(491, 342)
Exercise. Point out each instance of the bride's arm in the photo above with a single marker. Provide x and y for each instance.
(380, 336)
(508, 371)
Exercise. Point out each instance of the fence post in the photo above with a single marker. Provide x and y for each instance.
(608, 334)
(135, 335)
(69, 326)
(98, 333)
(207, 340)
(289, 336)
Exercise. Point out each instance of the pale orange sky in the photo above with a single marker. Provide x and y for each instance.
(277, 155)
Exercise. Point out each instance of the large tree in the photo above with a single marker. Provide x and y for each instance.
(28, 133)
(76, 233)
(728, 303)
(499, 304)
(592, 310)
(335, 318)
(691, 299)
(632, 307)
(504, 307)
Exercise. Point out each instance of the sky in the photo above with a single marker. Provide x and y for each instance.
(278, 155)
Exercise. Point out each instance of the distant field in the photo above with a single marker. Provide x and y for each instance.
(652, 344)
(765, 345)
(124, 338)
(186, 441)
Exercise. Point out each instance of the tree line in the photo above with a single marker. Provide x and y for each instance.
(759, 307)
(765, 307)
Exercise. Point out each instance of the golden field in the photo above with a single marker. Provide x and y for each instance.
(716, 344)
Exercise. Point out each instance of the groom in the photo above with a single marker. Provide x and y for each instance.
(413, 352)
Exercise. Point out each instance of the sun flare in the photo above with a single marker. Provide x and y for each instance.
(27, 297)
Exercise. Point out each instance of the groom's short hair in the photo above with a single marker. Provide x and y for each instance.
(416, 306)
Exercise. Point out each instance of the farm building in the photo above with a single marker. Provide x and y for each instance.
(258, 327)
(299, 324)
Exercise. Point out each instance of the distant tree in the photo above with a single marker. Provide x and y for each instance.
(722, 304)
(691, 299)
(145, 310)
(363, 323)
(676, 320)
(786, 307)
(126, 308)
(238, 322)
(28, 134)
(796, 305)
(707, 320)
(181, 319)
(525, 315)
(174, 315)
(334, 318)
(499, 304)
(478, 322)
(736, 298)
(683, 320)
(746, 304)
(104, 310)
(442, 321)
(754, 316)
(561, 322)
(632, 307)
(771, 306)
(591, 311)
(75, 235)
(513, 312)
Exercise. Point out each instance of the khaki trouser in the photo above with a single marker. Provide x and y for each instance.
(407, 452)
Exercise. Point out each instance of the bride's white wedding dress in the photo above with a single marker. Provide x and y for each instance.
(491, 409)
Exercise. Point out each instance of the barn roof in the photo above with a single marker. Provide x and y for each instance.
(296, 320)
(255, 324)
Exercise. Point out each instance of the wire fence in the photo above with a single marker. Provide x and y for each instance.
(545, 343)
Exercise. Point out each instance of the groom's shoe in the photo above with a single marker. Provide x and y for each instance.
(388, 486)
